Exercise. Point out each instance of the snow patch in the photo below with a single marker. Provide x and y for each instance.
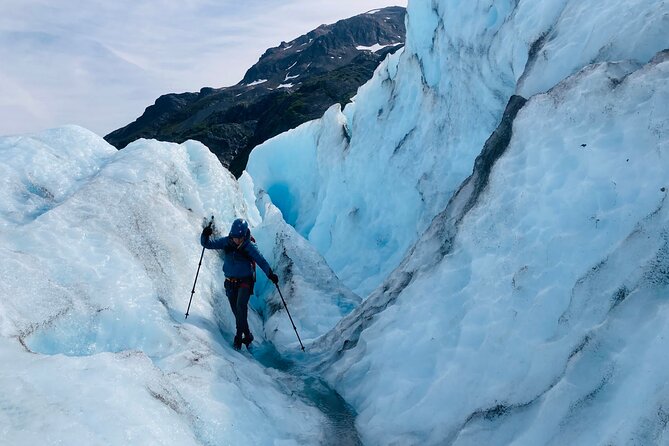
(376, 47)
(257, 82)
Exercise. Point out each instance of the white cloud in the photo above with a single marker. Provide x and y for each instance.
(99, 64)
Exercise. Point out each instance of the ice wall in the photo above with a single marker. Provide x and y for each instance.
(98, 252)
(526, 307)
(538, 315)
(316, 298)
(364, 184)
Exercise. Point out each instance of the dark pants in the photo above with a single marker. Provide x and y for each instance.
(239, 294)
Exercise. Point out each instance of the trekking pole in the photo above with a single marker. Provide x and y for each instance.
(291, 319)
(211, 222)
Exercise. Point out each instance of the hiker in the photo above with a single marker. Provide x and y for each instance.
(241, 256)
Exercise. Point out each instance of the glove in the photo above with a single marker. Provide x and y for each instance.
(273, 277)
(206, 232)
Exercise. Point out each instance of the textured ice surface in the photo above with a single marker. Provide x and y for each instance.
(374, 176)
(315, 297)
(98, 251)
(528, 311)
(545, 321)
(529, 320)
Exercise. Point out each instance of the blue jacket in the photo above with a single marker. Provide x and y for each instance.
(237, 260)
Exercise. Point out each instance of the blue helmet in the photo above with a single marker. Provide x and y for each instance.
(240, 228)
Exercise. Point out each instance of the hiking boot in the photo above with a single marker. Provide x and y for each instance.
(248, 339)
(237, 343)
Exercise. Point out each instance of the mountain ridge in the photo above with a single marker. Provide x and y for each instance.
(290, 84)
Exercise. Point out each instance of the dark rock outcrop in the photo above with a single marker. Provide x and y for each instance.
(292, 83)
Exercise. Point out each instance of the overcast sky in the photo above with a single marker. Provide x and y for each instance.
(99, 64)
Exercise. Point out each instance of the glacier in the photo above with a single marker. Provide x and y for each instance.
(539, 311)
(99, 251)
(376, 174)
(511, 255)
(475, 250)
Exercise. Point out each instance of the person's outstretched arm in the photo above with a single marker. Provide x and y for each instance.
(254, 253)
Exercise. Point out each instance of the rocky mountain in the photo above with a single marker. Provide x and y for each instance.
(292, 83)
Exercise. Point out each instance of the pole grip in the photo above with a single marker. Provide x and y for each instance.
(211, 222)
